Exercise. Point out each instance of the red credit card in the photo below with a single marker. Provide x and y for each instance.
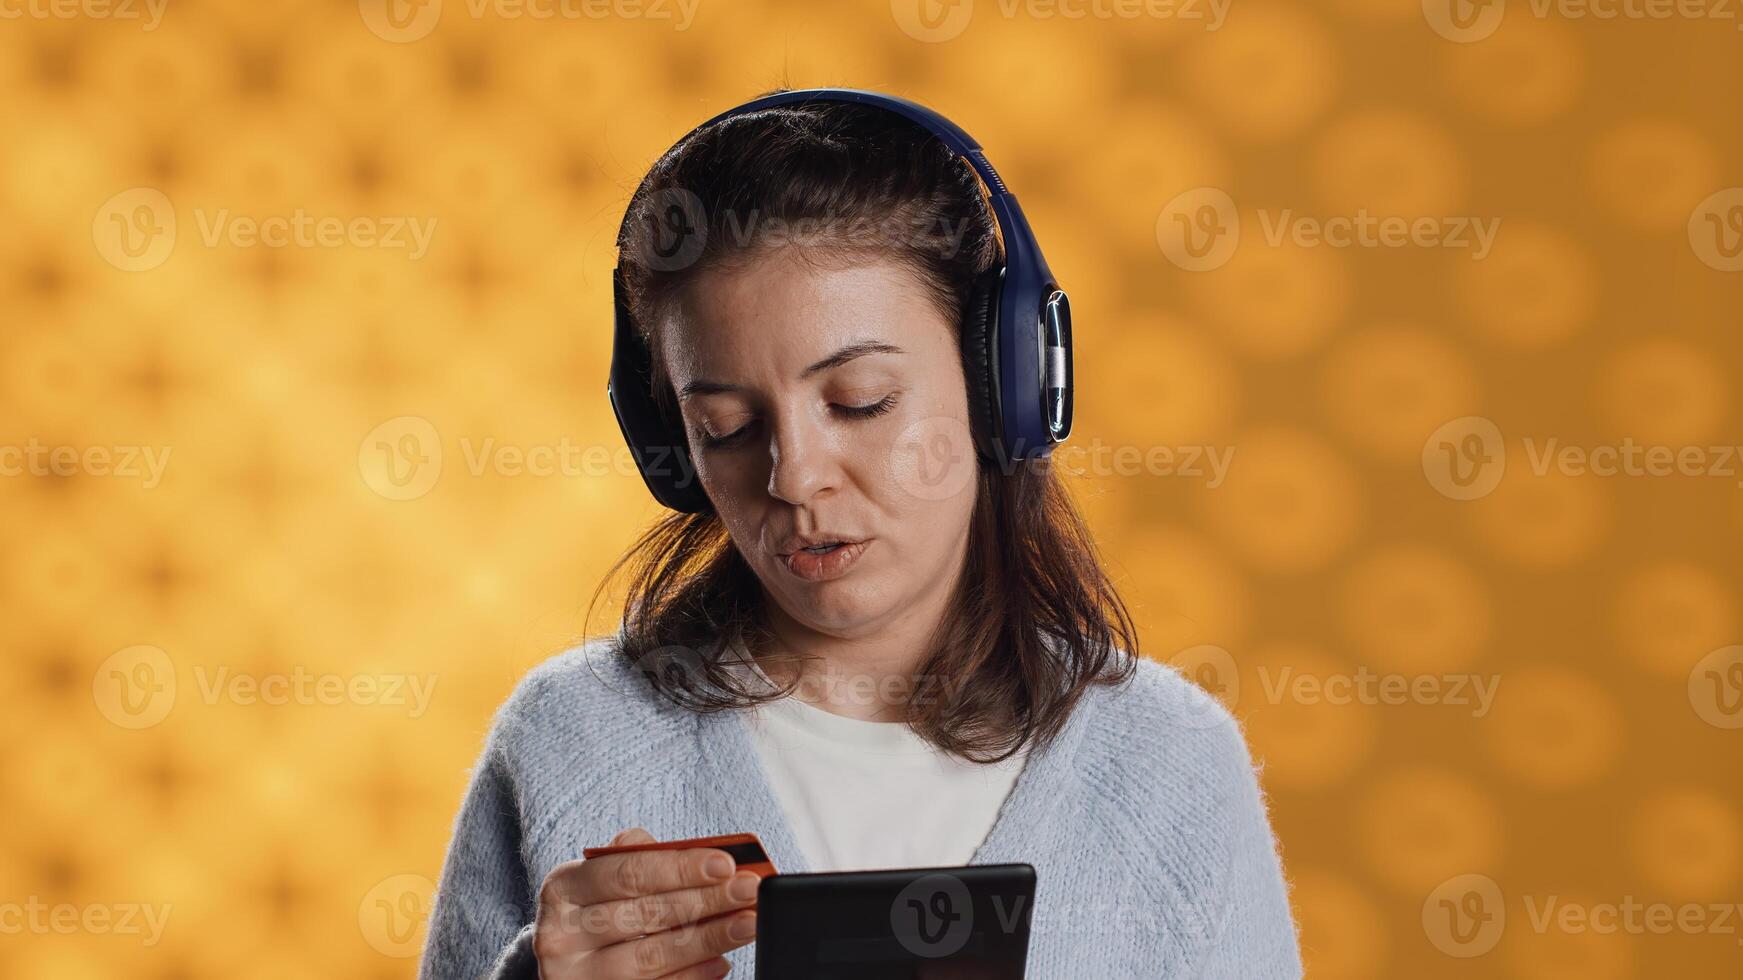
(744, 849)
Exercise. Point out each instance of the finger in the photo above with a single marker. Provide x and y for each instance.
(713, 969)
(614, 876)
(625, 919)
(560, 887)
(561, 883)
(677, 949)
(634, 835)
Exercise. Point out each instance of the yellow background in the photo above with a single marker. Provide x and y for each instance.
(299, 839)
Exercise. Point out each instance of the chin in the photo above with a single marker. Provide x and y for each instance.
(837, 608)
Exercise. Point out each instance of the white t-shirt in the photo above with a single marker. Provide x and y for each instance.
(867, 794)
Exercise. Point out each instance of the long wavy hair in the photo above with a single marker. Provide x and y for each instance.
(1035, 619)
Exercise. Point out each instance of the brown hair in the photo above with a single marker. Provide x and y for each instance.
(1035, 619)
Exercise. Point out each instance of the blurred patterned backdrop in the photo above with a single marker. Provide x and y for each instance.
(1408, 336)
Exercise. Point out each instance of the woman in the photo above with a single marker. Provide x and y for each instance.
(877, 633)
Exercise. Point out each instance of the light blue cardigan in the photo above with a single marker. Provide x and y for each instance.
(1144, 821)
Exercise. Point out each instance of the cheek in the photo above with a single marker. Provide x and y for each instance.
(928, 465)
(737, 496)
(926, 518)
(728, 476)
(743, 521)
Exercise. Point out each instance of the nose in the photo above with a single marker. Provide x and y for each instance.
(802, 460)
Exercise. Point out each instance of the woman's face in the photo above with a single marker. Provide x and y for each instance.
(826, 402)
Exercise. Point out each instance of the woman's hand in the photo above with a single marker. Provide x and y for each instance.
(643, 915)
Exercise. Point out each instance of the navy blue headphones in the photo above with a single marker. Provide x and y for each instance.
(1016, 334)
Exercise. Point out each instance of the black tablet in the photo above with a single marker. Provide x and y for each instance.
(965, 923)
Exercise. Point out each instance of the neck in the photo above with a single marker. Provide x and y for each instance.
(868, 676)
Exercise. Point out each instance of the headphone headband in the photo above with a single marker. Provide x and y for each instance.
(952, 135)
(1027, 390)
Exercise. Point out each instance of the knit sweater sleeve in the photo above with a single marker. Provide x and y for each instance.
(1252, 932)
(481, 924)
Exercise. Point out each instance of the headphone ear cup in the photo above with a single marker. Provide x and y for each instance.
(979, 333)
(660, 450)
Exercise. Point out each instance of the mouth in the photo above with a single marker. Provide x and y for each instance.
(814, 544)
(824, 549)
(823, 561)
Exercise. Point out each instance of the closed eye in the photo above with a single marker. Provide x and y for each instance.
(873, 410)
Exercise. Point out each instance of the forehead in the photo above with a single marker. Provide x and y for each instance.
(782, 311)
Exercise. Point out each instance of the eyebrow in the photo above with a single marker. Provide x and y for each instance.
(703, 386)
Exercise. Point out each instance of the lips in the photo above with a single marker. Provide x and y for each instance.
(814, 542)
(824, 565)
